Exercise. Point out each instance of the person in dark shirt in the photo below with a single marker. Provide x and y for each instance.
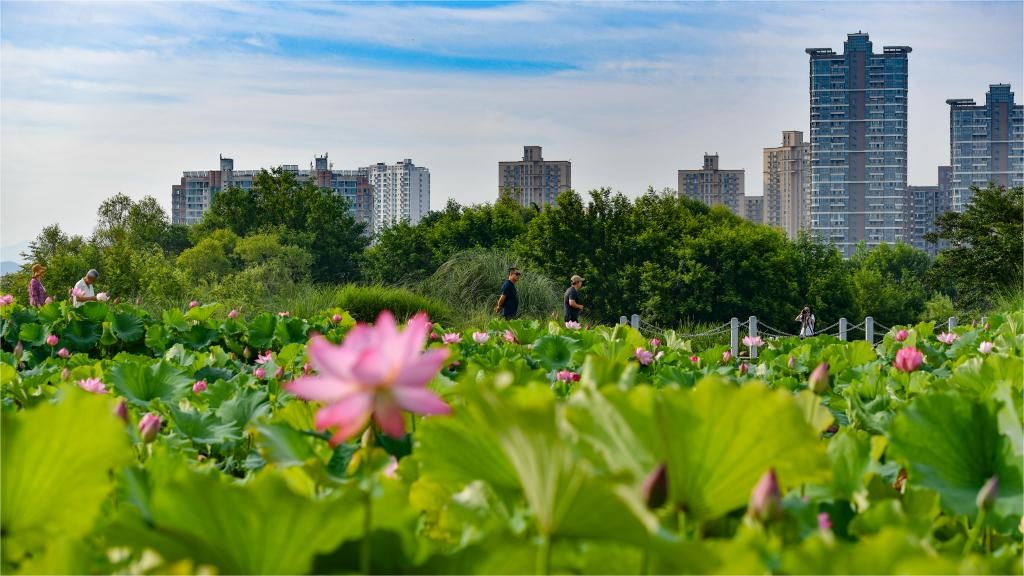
(571, 303)
(508, 302)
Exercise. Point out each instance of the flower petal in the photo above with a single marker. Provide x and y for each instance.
(387, 413)
(420, 400)
(348, 415)
(320, 388)
(331, 359)
(413, 338)
(423, 370)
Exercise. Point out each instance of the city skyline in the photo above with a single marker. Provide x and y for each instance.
(123, 97)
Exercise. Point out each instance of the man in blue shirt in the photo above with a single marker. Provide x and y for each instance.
(508, 302)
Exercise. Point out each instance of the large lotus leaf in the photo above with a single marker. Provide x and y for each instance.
(983, 374)
(140, 383)
(620, 343)
(291, 330)
(202, 313)
(127, 327)
(203, 427)
(12, 324)
(554, 352)
(282, 445)
(50, 313)
(952, 444)
(55, 473)
(617, 428)
(175, 319)
(244, 407)
(81, 335)
(850, 452)
(94, 311)
(261, 331)
(720, 439)
(32, 334)
(892, 551)
(156, 338)
(199, 336)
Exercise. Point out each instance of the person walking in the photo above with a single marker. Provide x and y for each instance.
(806, 320)
(508, 301)
(83, 291)
(571, 306)
(36, 292)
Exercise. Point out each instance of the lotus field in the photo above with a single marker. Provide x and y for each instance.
(205, 441)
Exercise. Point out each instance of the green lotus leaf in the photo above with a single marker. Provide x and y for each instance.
(554, 352)
(202, 313)
(94, 311)
(32, 334)
(127, 327)
(261, 331)
(850, 452)
(82, 336)
(140, 383)
(175, 319)
(203, 427)
(291, 330)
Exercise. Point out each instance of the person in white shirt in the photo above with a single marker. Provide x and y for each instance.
(83, 291)
(806, 320)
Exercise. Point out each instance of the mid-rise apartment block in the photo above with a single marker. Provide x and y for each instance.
(925, 204)
(753, 209)
(714, 186)
(787, 183)
(986, 143)
(534, 181)
(858, 105)
(401, 192)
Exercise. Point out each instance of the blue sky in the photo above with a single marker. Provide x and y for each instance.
(100, 98)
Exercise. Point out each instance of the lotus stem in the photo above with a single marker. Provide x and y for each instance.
(367, 547)
(972, 536)
(544, 555)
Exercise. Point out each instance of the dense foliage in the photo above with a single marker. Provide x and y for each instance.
(566, 450)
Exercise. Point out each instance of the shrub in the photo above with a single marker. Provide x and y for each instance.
(364, 303)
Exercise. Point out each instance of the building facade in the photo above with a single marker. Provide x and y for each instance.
(858, 105)
(192, 197)
(925, 204)
(787, 183)
(986, 143)
(714, 186)
(534, 180)
(401, 192)
(753, 209)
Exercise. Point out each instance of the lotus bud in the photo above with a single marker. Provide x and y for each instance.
(307, 368)
(766, 500)
(654, 342)
(509, 336)
(63, 353)
(336, 318)
(65, 373)
(433, 336)
(51, 340)
(744, 368)
(695, 359)
(193, 304)
(824, 522)
(985, 327)
(900, 335)
(726, 357)
(246, 353)
(987, 495)
(199, 387)
(818, 382)
(233, 314)
(908, 359)
(279, 372)
(655, 488)
(149, 427)
(259, 373)
(18, 350)
(791, 363)
(121, 411)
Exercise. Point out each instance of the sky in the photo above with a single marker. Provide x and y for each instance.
(101, 98)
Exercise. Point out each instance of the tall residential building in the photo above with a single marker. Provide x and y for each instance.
(925, 204)
(534, 180)
(713, 186)
(858, 143)
(401, 192)
(753, 209)
(787, 183)
(192, 197)
(986, 143)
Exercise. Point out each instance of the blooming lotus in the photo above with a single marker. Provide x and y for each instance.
(947, 337)
(78, 293)
(103, 297)
(572, 325)
(265, 357)
(654, 342)
(452, 338)
(193, 304)
(900, 335)
(567, 376)
(481, 337)
(753, 341)
(824, 522)
(63, 353)
(986, 347)
(51, 340)
(376, 372)
(260, 373)
(93, 385)
(149, 427)
(284, 314)
(695, 359)
(908, 359)
(233, 314)
(644, 357)
(6, 299)
(199, 386)
(509, 336)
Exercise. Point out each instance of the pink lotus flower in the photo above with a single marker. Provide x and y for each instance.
(481, 337)
(233, 314)
(744, 368)
(284, 314)
(51, 340)
(78, 293)
(93, 385)
(766, 500)
(336, 318)
(900, 335)
(122, 411)
(279, 372)
(199, 387)
(509, 336)
(103, 297)
(149, 427)
(986, 347)
(307, 368)
(377, 371)
(65, 373)
(567, 376)
(193, 304)
(726, 357)
(695, 359)
(260, 373)
(452, 338)
(753, 341)
(6, 299)
(654, 342)
(824, 522)
(818, 381)
(644, 357)
(946, 337)
(265, 357)
(908, 359)
(572, 325)
(63, 353)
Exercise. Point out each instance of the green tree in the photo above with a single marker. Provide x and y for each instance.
(888, 283)
(401, 254)
(205, 262)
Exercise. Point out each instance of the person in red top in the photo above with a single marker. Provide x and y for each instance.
(36, 291)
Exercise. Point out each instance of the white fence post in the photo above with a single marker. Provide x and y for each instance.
(634, 321)
(734, 337)
(842, 329)
(752, 328)
(952, 323)
(623, 320)
(869, 330)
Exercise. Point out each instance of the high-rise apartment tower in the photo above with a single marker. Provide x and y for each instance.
(534, 180)
(713, 186)
(787, 183)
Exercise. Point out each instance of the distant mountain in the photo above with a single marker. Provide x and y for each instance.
(7, 267)
(12, 252)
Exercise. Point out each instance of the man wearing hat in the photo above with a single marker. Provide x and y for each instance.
(83, 291)
(571, 303)
(36, 292)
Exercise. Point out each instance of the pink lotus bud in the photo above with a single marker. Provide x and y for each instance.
(233, 314)
(65, 373)
(433, 336)
(655, 488)
(744, 368)
(908, 359)
(259, 373)
(18, 350)
(695, 359)
(193, 304)
(307, 368)
(824, 522)
(452, 338)
(336, 318)
(766, 500)
(122, 411)
(567, 376)
(946, 338)
(572, 325)
(149, 427)
(644, 357)
(49, 300)
(987, 495)
(654, 342)
(284, 314)
(279, 372)
(481, 337)
(791, 363)
(199, 387)
(726, 357)
(51, 340)
(986, 347)
(509, 336)
(454, 365)
(63, 353)
(818, 381)
(93, 385)
(900, 335)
